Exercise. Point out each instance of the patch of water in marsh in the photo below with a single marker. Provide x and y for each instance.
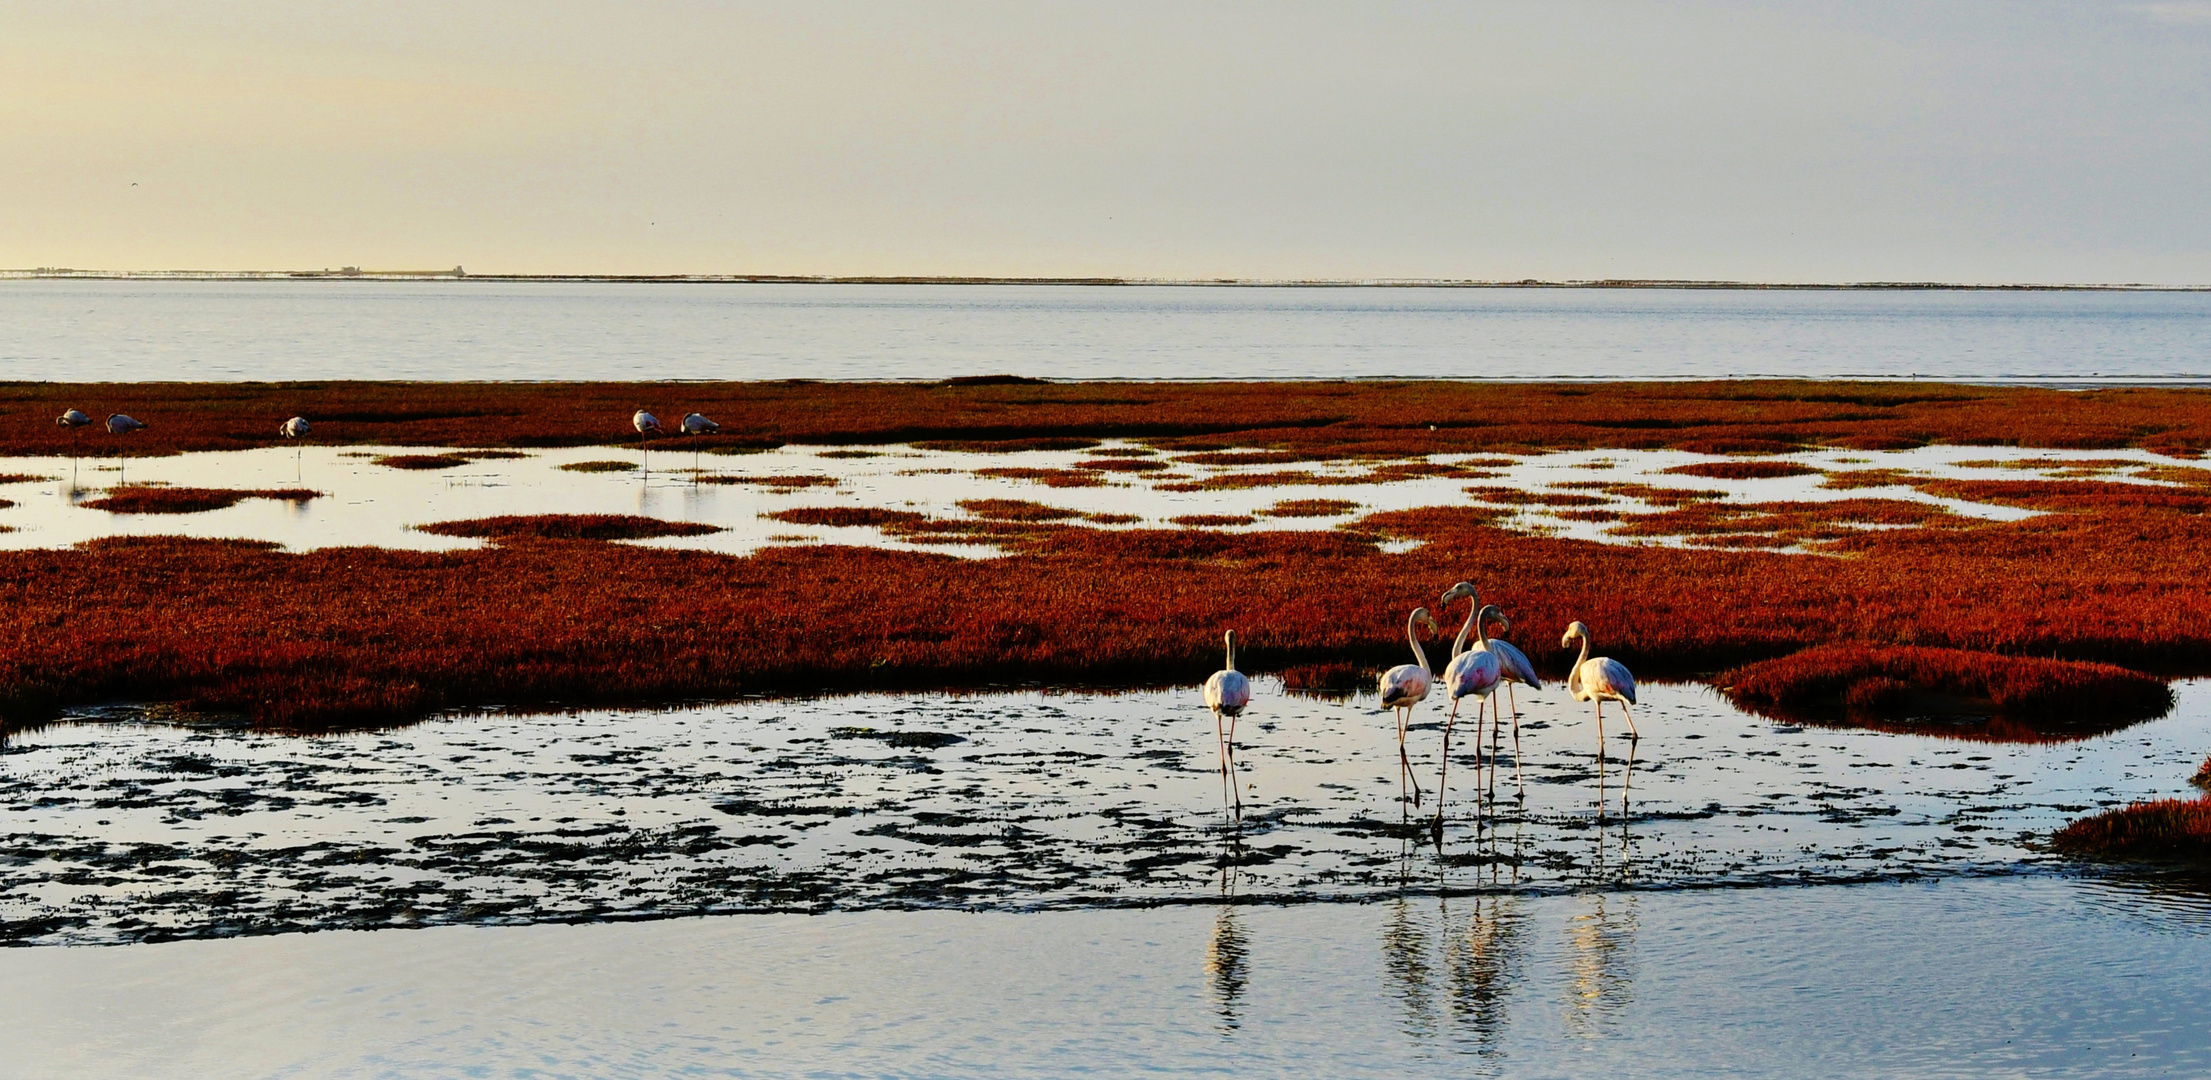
(2036, 976)
(364, 503)
(123, 830)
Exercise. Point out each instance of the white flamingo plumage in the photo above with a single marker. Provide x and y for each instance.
(1227, 691)
(1515, 663)
(296, 427)
(696, 424)
(647, 425)
(73, 419)
(1474, 671)
(119, 424)
(1405, 686)
(1599, 679)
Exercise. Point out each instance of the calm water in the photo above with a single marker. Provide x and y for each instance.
(220, 331)
(2036, 977)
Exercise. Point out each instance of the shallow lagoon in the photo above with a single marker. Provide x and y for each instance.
(2038, 976)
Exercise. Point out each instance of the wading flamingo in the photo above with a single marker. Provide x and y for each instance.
(1405, 686)
(296, 428)
(647, 425)
(73, 420)
(118, 424)
(697, 424)
(1599, 678)
(1474, 672)
(1516, 665)
(1227, 691)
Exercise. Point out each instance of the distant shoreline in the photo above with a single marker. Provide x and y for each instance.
(457, 275)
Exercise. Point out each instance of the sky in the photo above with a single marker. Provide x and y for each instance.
(1961, 141)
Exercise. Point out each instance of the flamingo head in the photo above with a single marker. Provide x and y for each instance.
(1460, 591)
(1491, 613)
(1574, 630)
(1422, 618)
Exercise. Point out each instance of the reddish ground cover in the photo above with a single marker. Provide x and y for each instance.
(1890, 682)
(356, 635)
(1742, 470)
(1361, 419)
(176, 500)
(2165, 829)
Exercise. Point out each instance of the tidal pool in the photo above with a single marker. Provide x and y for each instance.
(364, 503)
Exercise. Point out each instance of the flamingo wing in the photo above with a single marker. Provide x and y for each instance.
(1613, 679)
(1516, 665)
(1474, 671)
(1227, 692)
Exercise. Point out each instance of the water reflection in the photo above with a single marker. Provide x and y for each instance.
(1450, 966)
(1481, 962)
(1228, 966)
(1600, 962)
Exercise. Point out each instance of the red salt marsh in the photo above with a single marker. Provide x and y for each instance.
(185, 500)
(1343, 420)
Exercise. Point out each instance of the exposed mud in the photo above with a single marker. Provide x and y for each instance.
(125, 830)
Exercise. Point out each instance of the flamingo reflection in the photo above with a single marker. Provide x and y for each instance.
(1600, 964)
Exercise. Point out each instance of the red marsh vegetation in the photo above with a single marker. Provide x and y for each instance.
(182, 500)
(1742, 470)
(1311, 508)
(2160, 830)
(342, 636)
(1893, 682)
(1344, 420)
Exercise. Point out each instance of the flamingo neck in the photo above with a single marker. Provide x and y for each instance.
(1232, 651)
(1472, 617)
(1413, 636)
(1574, 684)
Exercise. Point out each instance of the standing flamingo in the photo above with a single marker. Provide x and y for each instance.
(1405, 686)
(73, 420)
(1598, 679)
(697, 424)
(296, 428)
(1473, 671)
(1516, 665)
(118, 424)
(647, 425)
(1227, 691)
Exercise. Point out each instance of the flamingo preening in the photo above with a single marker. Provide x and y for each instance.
(697, 424)
(1473, 672)
(1599, 678)
(1227, 691)
(1405, 686)
(296, 428)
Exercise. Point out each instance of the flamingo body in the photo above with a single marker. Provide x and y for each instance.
(1602, 678)
(72, 419)
(1515, 664)
(119, 424)
(646, 422)
(696, 424)
(295, 427)
(1405, 686)
(1473, 673)
(1227, 691)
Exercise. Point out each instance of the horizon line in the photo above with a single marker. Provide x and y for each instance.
(351, 273)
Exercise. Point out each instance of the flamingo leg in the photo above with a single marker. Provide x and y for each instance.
(1632, 733)
(1404, 759)
(1443, 776)
(1517, 780)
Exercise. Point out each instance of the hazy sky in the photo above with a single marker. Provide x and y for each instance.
(1787, 141)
